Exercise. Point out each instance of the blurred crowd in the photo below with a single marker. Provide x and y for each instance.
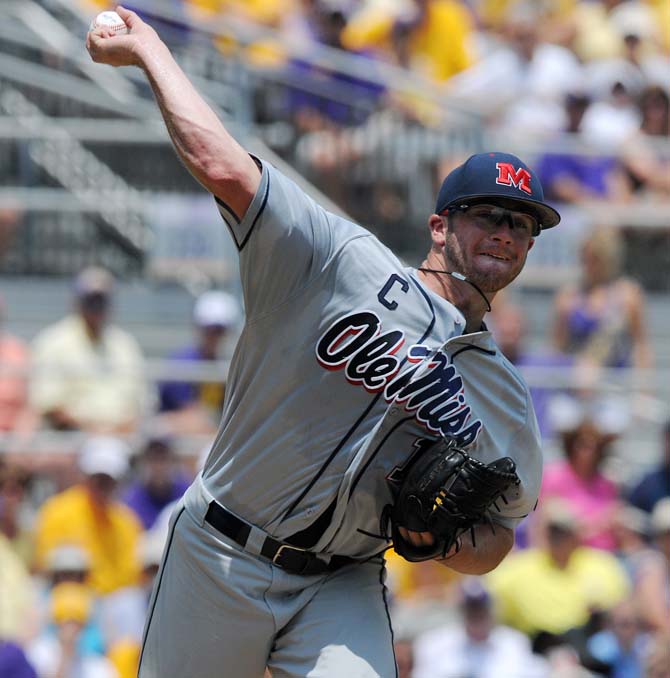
(83, 522)
(374, 101)
(527, 71)
(587, 589)
(586, 594)
(587, 80)
(85, 373)
(77, 566)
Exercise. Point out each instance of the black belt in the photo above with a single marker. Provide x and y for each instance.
(290, 558)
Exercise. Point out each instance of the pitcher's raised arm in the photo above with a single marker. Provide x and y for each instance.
(204, 145)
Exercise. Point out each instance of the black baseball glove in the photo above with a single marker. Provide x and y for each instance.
(446, 492)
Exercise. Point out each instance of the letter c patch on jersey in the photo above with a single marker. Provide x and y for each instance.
(508, 175)
(394, 280)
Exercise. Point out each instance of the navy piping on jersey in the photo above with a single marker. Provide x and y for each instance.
(374, 454)
(350, 432)
(240, 246)
(388, 613)
(472, 348)
(227, 207)
(257, 217)
(158, 588)
(307, 538)
(325, 465)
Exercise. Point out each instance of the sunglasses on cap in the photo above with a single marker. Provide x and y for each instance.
(487, 215)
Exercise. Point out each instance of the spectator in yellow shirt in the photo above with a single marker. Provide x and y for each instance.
(555, 588)
(429, 37)
(433, 40)
(87, 515)
(264, 51)
(261, 11)
(88, 374)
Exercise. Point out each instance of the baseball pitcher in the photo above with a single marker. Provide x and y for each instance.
(367, 406)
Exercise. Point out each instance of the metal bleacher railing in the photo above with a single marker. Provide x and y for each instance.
(86, 156)
(77, 138)
(632, 390)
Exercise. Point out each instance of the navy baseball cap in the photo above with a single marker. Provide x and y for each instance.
(498, 178)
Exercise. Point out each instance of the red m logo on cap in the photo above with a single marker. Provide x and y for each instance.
(508, 175)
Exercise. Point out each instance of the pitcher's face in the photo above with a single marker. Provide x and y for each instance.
(488, 248)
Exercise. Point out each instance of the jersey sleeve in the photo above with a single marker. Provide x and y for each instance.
(284, 241)
(526, 451)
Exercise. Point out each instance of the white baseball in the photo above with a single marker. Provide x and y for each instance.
(110, 20)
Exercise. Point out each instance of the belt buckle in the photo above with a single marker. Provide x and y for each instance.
(286, 550)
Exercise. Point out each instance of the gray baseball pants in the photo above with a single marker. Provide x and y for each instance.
(220, 612)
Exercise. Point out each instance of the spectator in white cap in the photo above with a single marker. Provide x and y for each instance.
(68, 562)
(195, 407)
(475, 644)
(88, 515)
(88, 373)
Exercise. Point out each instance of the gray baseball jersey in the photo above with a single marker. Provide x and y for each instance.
(345, 364)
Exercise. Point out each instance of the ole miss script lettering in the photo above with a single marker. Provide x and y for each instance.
(429, 387)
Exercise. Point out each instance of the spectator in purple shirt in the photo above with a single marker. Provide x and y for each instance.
(310, 97)
(509, 328)
(190, 407)
(571, 177)
(655, 485)
(13, 661)
(160, 479)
